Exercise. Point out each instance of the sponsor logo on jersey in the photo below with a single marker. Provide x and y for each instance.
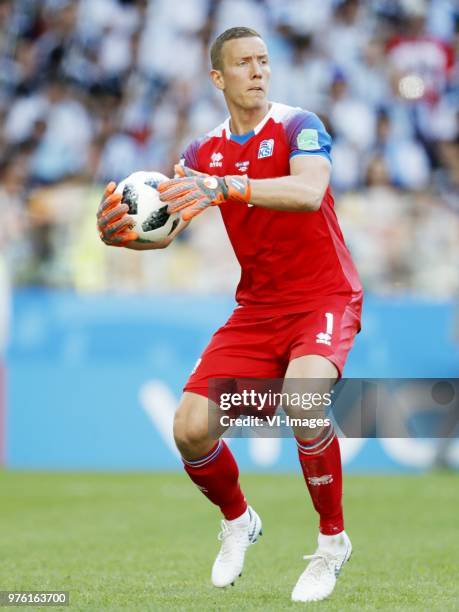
(216, 160)
(326, 336)
(317, 481)
(243, 166)
(308, 140)
(323, 338)
(266, 148)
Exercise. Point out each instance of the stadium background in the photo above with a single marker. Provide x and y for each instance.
(98, 341)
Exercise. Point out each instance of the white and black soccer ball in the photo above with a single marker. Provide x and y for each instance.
(152, 221)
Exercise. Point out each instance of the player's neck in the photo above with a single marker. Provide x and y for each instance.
(243, 121)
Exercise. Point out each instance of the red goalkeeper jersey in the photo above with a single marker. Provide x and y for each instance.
(290, 261)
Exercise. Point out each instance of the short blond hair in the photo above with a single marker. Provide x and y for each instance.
(216, 56)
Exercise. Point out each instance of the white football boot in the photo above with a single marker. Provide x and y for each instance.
(236, 536)
(319, 578)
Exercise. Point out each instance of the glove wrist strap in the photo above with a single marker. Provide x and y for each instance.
(238, 188)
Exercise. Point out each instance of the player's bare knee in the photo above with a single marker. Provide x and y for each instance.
(197, 435)
(308, 434)
(179, 429)
(308, 424)
(192, 440)
(191, 430)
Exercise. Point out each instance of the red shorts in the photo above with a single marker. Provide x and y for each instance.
(252, 346)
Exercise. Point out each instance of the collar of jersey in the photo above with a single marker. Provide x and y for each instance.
(243, 138)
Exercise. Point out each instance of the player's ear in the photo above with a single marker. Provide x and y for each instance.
(217, 79)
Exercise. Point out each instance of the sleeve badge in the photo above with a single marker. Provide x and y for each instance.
(308, 140)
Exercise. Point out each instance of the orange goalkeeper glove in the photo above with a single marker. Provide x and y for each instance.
(194, 191)
(113, 224)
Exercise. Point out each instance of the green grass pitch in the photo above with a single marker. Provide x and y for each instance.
(147, 542)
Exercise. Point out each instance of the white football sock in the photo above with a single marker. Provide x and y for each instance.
(332, 543)
(242, 520)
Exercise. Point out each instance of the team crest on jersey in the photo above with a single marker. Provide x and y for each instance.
(243, 166)
(266, 148)
(216, 160)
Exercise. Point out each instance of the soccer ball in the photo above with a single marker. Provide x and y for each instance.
(152, 221)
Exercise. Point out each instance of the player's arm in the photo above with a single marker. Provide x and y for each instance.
(309, 147)
(303, 190)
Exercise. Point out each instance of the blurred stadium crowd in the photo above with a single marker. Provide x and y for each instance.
(92, 90)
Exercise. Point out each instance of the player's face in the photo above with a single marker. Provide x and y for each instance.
(245, 73)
